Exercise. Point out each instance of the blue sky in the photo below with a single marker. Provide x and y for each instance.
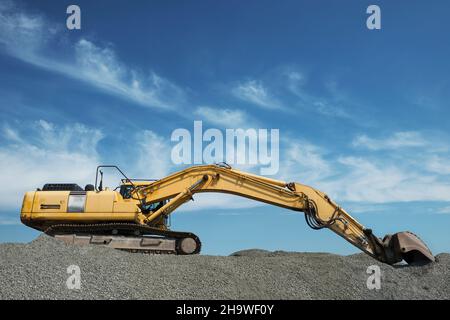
(363, 115)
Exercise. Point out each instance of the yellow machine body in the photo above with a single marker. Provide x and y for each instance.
(47, 207)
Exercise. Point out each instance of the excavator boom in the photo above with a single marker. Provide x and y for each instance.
(142, 208)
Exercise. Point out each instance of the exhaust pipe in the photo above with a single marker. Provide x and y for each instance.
(400, 246)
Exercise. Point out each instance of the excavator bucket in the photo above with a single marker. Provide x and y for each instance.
(409, 247)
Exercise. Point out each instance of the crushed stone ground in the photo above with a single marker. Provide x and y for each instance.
(38, 270)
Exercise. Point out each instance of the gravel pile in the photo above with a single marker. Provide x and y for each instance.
(38, 270)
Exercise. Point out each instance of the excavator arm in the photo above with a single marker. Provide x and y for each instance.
(320, 211)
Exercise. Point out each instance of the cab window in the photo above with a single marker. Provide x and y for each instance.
(125, 191)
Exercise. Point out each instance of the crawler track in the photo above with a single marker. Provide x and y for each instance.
(128, 231)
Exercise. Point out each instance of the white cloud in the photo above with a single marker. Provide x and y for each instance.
(22, 33)
(254, 92)
(402, 139)
(33, 154)
(369, 178)
(31, 38)
(228, 118)
(153, 159)
(438, 164)
(296, 79)
(366, 179)
(295, 82)
(303, 161)
(45, 154)
(11, 134)
(380, 181)
(444, 210)
(100, 66)
(328, 109)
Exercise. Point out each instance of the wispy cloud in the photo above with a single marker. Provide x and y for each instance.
(296, 82)
(228, 118)
(256, 93)
(303, 161)
(386, 180)
(153, 158)
(444, 210)
(438, 164)
(23, 34)
(375, 177)
(403, 139)
(32, 38)
(45, 153)
(100, 67)
(287, 88)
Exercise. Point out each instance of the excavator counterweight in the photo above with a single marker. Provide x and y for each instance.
(135, 218)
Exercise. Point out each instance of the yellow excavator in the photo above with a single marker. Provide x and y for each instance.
(135, 215)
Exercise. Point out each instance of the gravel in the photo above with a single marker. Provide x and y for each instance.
(38, 270)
